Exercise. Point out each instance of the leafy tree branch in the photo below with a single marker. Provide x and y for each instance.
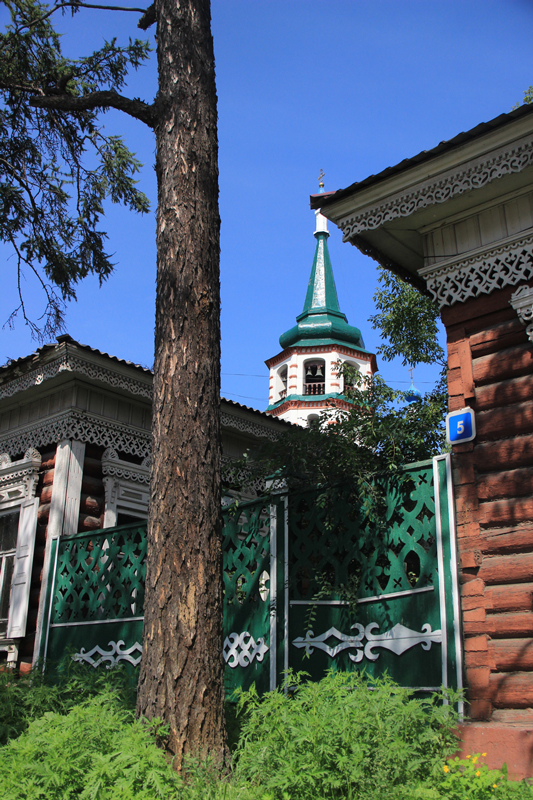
(408, 322)
(371, 441)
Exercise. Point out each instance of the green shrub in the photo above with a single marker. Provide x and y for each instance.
(24, 698)
(342, 737)
(94, 751)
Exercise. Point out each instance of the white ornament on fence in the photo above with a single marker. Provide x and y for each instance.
(398, 639)
(113, 656)
(240, 649)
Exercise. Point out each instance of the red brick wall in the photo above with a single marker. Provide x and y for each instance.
(490, 364)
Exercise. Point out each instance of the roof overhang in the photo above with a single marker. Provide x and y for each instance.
(389, 215)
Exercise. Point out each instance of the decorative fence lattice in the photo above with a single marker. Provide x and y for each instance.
(100, 576)
(329, 540)
(307, 585)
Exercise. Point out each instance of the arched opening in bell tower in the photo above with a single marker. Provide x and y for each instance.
(315, 376)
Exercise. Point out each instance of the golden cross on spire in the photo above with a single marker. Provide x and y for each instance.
(321, 179)
(411, 373)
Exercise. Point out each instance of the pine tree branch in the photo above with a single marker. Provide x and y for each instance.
(105, 99)
(58, 6)
(21, 87)
(148, 18)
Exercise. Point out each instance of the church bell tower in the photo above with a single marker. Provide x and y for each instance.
(304, 378)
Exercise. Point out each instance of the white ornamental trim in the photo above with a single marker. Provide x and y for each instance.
(115, 379)
(81, 426)
(433, 191)
(115, 467)
(398, 640)
(482, 273)
(247, 426)
(240, 649)
(112, 656)
(34, 377)
(69, 363)
(522, 303)
(18, 479)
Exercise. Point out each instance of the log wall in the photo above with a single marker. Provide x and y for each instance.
(44, 493)
(91, 517)
(92, 501)
(490, 362)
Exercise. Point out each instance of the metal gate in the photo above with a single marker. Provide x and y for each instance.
(307, 585)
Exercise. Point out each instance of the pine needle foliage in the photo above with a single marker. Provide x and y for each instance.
(58, 167)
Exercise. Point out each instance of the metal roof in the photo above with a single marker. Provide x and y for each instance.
(46, 348)
(328, 198)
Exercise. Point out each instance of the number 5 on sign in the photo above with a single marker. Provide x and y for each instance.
(460, 426)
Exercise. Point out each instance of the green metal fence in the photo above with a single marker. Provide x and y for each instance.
(307, 585)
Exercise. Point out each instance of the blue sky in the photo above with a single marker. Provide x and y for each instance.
(347, 86)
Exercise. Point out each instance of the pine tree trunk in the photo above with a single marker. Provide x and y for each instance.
(181, 676)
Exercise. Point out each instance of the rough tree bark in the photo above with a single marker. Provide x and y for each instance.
(181, 676)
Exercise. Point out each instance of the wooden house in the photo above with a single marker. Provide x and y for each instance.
(75, 450)
(457, 222)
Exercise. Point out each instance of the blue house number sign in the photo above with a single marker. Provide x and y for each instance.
(460, 426)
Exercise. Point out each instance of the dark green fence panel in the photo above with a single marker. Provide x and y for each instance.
(307, 585)
(249, 619)
(96, 606)
(379, 600)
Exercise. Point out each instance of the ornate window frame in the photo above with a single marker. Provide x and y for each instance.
(127, 487)
(18, 486)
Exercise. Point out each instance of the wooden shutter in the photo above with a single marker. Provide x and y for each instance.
(20, 586)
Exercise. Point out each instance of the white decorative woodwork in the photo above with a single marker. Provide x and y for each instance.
(126, 487)
(240, 649)
(522, 303)
(482, 272)
(113, 656)
(64, 508)
(73, 494)
(18, 479)
(398, 640)
(447, 185)
(66, 362)
(82, 426)
(18, 484)
(20, 584)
